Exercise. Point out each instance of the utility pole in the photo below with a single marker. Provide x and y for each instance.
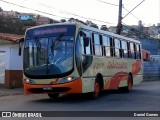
(119, 25)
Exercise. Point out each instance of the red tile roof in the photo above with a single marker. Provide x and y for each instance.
(10, 37)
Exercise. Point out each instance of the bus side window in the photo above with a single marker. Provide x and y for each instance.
(135, 51)
(112, 49)
(101, 43)
(128, 49)
(117, 47)
(106, 46)
(132, 50)
(97, 45)
(138, 51)
(120, 50)
(124, 49)
(86, 49)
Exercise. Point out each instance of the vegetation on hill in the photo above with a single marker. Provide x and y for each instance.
(11, 25)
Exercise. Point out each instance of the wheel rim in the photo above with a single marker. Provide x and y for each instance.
(97, 89)
(129, 84)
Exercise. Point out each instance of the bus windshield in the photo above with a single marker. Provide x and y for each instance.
(48, 55)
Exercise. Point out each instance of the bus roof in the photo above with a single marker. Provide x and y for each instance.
(80, 25)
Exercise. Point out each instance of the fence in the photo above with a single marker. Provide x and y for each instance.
(151, 70)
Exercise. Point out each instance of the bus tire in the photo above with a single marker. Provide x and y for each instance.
(97, 89)
(128, 88)
(52, 96)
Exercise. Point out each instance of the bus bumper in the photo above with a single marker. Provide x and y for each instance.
(65, 88)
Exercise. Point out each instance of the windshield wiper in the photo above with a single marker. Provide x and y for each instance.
(58, 39)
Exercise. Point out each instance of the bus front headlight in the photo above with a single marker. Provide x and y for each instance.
(67, 79)
(29, 81)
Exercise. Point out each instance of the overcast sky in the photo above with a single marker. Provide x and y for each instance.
(104, 13)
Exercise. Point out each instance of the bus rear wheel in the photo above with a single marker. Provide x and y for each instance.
(54, 95)
(128, 88)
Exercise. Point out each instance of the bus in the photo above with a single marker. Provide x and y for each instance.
(145, 55)
(72, 58)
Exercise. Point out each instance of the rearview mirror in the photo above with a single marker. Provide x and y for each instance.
(86, 41)
(82, 34)
(20, 45)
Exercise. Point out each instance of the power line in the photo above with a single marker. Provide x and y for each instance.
(71, 13)
(108, 3)
(130, 13)
(32, 9)
(133, 9)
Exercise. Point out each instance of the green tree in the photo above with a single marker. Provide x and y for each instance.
(11, 25)
(29, 22)
(104, 27)
(53, 21)
(94, 25)
(62, 20)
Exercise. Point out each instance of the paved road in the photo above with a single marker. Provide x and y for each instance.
(143, 97)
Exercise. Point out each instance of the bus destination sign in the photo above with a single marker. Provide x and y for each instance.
(50, 30)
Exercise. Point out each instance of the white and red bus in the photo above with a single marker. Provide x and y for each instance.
(68, 58)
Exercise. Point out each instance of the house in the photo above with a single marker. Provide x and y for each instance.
(154, 31)
(145, 55)
(11, 13)
(41, 20)
(152, 45)
(26, 16)
(10, 62)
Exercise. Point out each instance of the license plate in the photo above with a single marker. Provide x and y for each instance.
(47, 88)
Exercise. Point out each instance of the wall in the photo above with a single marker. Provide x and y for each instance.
(6, 49)
(13, 65)
(151, 70)
(13, 60)
(2, 66)
(151, 45)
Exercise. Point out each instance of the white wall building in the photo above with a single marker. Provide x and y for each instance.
(10, 62)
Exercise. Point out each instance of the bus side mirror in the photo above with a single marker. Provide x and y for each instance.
(86, 41)
(20, 45)
(82, 34)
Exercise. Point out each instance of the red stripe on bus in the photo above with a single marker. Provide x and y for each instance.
(115, 80)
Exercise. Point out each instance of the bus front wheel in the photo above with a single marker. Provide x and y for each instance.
(97, 89)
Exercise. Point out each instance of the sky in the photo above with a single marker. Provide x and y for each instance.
(101, 12)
